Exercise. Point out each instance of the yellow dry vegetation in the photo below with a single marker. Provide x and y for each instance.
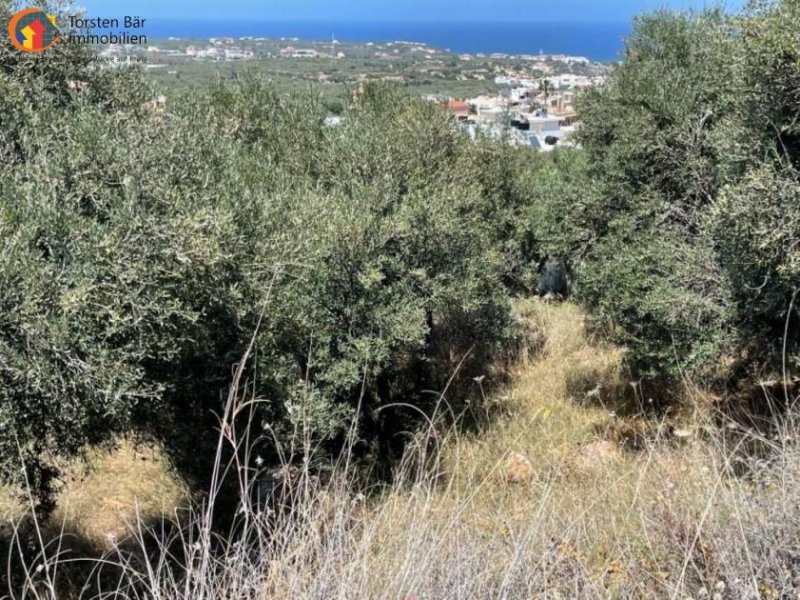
(600, 498)
(600, 504)
(105, 493)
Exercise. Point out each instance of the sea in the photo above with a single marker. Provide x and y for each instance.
(596, 41)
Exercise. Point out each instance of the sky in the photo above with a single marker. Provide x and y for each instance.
(392, 10)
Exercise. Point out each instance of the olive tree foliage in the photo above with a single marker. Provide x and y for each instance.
(691, 257)
(388, 275)
(53, 246)
(755, 222)
(141, 251)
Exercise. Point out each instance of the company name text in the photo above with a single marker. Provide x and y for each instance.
(128, 22)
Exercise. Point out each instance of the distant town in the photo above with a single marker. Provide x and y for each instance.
(526, 99)
(536, 112)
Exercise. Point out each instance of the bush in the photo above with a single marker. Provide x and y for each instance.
(371, 260)
(692, 219)
(141, 251)
(756, 228)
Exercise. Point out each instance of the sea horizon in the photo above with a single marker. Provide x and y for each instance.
(599, 41)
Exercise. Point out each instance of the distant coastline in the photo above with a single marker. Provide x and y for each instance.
(596, 41)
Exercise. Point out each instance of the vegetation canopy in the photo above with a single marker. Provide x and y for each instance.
(142, 250)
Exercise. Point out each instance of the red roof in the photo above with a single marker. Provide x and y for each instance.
(457, 106)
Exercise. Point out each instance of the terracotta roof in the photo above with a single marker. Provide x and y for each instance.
(457, 106)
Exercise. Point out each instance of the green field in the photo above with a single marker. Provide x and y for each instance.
(419, 69)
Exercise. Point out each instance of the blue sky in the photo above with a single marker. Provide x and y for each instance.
(389, 10)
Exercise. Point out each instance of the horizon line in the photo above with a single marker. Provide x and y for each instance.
(386, 21)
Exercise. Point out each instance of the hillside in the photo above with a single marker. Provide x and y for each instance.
(556, 496)
(248, 350)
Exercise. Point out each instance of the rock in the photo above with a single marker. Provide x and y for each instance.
(598, 454)
(595, 394)
(518, 468)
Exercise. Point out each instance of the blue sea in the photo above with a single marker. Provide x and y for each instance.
(597, 41)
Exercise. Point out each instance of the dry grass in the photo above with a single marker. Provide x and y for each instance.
(108, 490)
(615, 507)
(10, 506)
(103, 495)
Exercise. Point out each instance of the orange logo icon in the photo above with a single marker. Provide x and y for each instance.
(31, 30)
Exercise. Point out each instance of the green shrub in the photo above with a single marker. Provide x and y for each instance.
(755, 226)
(140, 249)
(692, 219)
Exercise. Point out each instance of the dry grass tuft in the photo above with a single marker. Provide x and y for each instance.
(11, 506)
(104, 494)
